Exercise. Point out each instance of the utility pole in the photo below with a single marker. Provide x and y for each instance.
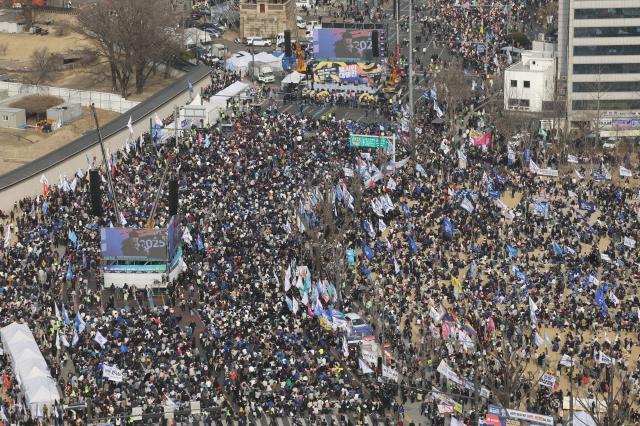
(411, 132)
(396, 5)
(106, 166)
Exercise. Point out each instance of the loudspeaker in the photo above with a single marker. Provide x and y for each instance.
(173, 197)
(287, 43)
(375, 43)
(379, 363)
(96, 192)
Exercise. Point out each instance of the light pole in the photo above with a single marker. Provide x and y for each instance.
(411, 132)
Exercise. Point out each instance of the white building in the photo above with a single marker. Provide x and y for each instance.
(531, 82)
(603, 58)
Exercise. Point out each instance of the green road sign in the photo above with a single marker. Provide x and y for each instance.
(368, 141)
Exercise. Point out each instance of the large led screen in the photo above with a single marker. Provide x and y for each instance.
(344, 44)
(133, 244)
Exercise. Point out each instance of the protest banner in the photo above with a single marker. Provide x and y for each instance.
(112, 373)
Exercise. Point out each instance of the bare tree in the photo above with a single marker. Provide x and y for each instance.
(614, 406)
(133, 36)
(504, 367)
(456, 87)
(43, 63)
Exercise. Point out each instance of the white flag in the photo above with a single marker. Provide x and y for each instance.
(624, 172)
(420, 170)
(538, 339)
(58, 340)
(572, 159)
(614, 299)
(7, 236)
(57, 311)
(345, 347)
(604, 359)
(629, 242)
(364, 368)
(391, 185)
(533, 167)
(74, 184)
(100, 339)
(287, 279)
(65, 342)
(75, 339)
(130, 125)
(123, 221)
(467, 205)
(381, 225)
(295, 305)
(567, 361)
(157, 120)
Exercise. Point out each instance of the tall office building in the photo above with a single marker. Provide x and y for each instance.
(603, 63)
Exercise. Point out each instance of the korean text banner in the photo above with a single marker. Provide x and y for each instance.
(133, 244)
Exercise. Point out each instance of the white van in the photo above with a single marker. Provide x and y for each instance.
(300, 23)
(258, 41)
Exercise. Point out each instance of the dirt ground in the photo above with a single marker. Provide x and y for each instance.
(18, 147)
(15, 60)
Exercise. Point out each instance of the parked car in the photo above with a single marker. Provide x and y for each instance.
(300, 23)
(258, 41)
(358, 330)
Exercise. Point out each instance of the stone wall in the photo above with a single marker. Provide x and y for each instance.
(266, 19)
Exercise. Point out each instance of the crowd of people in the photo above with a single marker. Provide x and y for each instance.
(469, 265)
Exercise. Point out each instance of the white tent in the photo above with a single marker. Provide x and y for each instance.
(270, 59)
(30, 368)
(239, 62)
(233, 90)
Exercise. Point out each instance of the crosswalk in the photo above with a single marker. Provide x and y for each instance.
(320, 420)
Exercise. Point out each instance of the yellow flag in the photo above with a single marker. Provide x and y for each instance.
(457, 286)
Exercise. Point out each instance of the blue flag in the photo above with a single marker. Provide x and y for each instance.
(556, 247)
(79, 323)
(207, 142)
(351, 257)
(405, 209)
(65, 316)
(200, 243)
(511, 251)
(447, 228)
(69, 274)
(586, 205)
(73, 237)
(366, 270)
(413, 245)
(367, 251)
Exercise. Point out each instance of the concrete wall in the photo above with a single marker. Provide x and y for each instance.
(25, 181)
(10, 27)
(102, 100)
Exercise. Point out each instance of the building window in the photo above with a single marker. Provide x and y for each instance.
(606, 68)
(606, 50)
(262, 8)
(606, 105)
(586, 32)
(527, 84)
(607, 86)
(5, 117)
(513, 103)
(612, 13)
(514, 83)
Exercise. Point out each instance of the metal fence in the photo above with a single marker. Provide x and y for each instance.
(102, 100)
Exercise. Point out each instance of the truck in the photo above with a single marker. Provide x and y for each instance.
(261, 72)
(218, 50)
